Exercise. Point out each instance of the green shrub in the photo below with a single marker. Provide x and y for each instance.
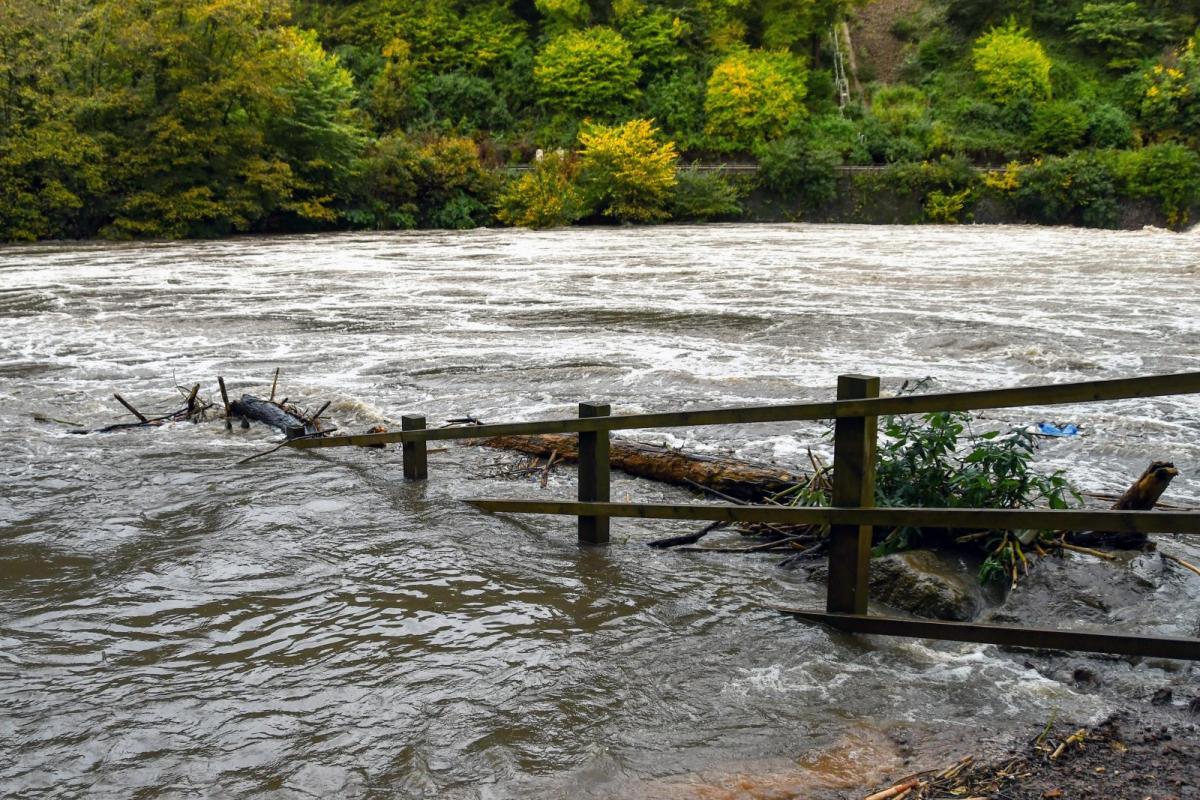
(938, 461)
(1168, 173)
(1011, 66)
(1108, 126)
(676, 102)
(704, 196)
(386, 193)
(838, 135)
(899, 107)
(625, 171)
(588, 72)
(1077, 189)
(545, 197)
(466, 102)
(948, 209)
(653, 35)
(1170, 95)
(1057, 127)
(563, 14)
(754, 96)
(800, 168)
(440, 183)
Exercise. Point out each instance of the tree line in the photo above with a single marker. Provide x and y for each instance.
(147, 118)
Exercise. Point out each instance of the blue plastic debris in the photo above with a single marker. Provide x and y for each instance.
(1050, 429)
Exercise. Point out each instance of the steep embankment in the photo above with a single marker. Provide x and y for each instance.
(879, 52)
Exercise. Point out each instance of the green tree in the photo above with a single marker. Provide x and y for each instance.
(1120, 32)
(217, 116)
(588, 72)
(1012, 67)
(754, 96)
(626, 172)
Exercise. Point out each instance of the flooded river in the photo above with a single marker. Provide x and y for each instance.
(308, 624)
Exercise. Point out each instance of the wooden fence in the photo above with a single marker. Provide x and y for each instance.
(852, 517)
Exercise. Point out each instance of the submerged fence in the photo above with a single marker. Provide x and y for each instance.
(853, 515)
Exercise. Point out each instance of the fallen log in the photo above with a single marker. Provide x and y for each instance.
(1143, 495)
(744, 480)
(253, 409)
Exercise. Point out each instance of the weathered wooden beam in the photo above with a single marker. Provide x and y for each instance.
(1053, 394)
(1039, 638)
(853, 485)
(594, 474)
(1184, 522)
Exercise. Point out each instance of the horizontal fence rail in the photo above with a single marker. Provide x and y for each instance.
(1051, 394)
(1183, 522)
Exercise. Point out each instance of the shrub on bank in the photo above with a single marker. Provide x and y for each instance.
(1167, 173)
(545, 197)
(799, 168)
(703, 197)
(626, 172)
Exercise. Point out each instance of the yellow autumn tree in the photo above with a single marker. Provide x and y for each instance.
(752, 97)
(544, 197)
(627, 172)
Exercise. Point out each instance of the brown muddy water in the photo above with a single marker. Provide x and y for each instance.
(308, 624)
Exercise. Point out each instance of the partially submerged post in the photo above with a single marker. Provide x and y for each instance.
(593, 474)
(225, 401)
(416, 453)
(853, 486)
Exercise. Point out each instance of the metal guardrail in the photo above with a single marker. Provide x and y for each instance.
(852, 515)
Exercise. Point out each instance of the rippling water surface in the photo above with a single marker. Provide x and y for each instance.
(308, 624)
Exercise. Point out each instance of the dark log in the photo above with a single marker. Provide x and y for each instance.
(1143, 495)
(273, 414)
(744, 480)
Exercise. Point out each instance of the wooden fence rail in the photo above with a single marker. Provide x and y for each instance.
(852, 518)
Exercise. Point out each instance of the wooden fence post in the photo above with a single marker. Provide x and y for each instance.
(415, 454)
(593, 474)
(853, 485)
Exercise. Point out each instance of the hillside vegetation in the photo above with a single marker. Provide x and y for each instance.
(146, 118)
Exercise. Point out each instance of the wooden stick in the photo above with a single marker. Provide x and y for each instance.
(225, 400)
(545, 479)
(274, 383)
(899, 788)
(320, 411)
(191, 400)
(1180, 562)
(1087, 551)
(130, 408)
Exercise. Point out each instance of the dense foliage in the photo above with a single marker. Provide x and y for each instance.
(143, 118)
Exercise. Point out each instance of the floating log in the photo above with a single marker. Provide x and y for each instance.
(1143, 495)
(744, 480)
(251, 408)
